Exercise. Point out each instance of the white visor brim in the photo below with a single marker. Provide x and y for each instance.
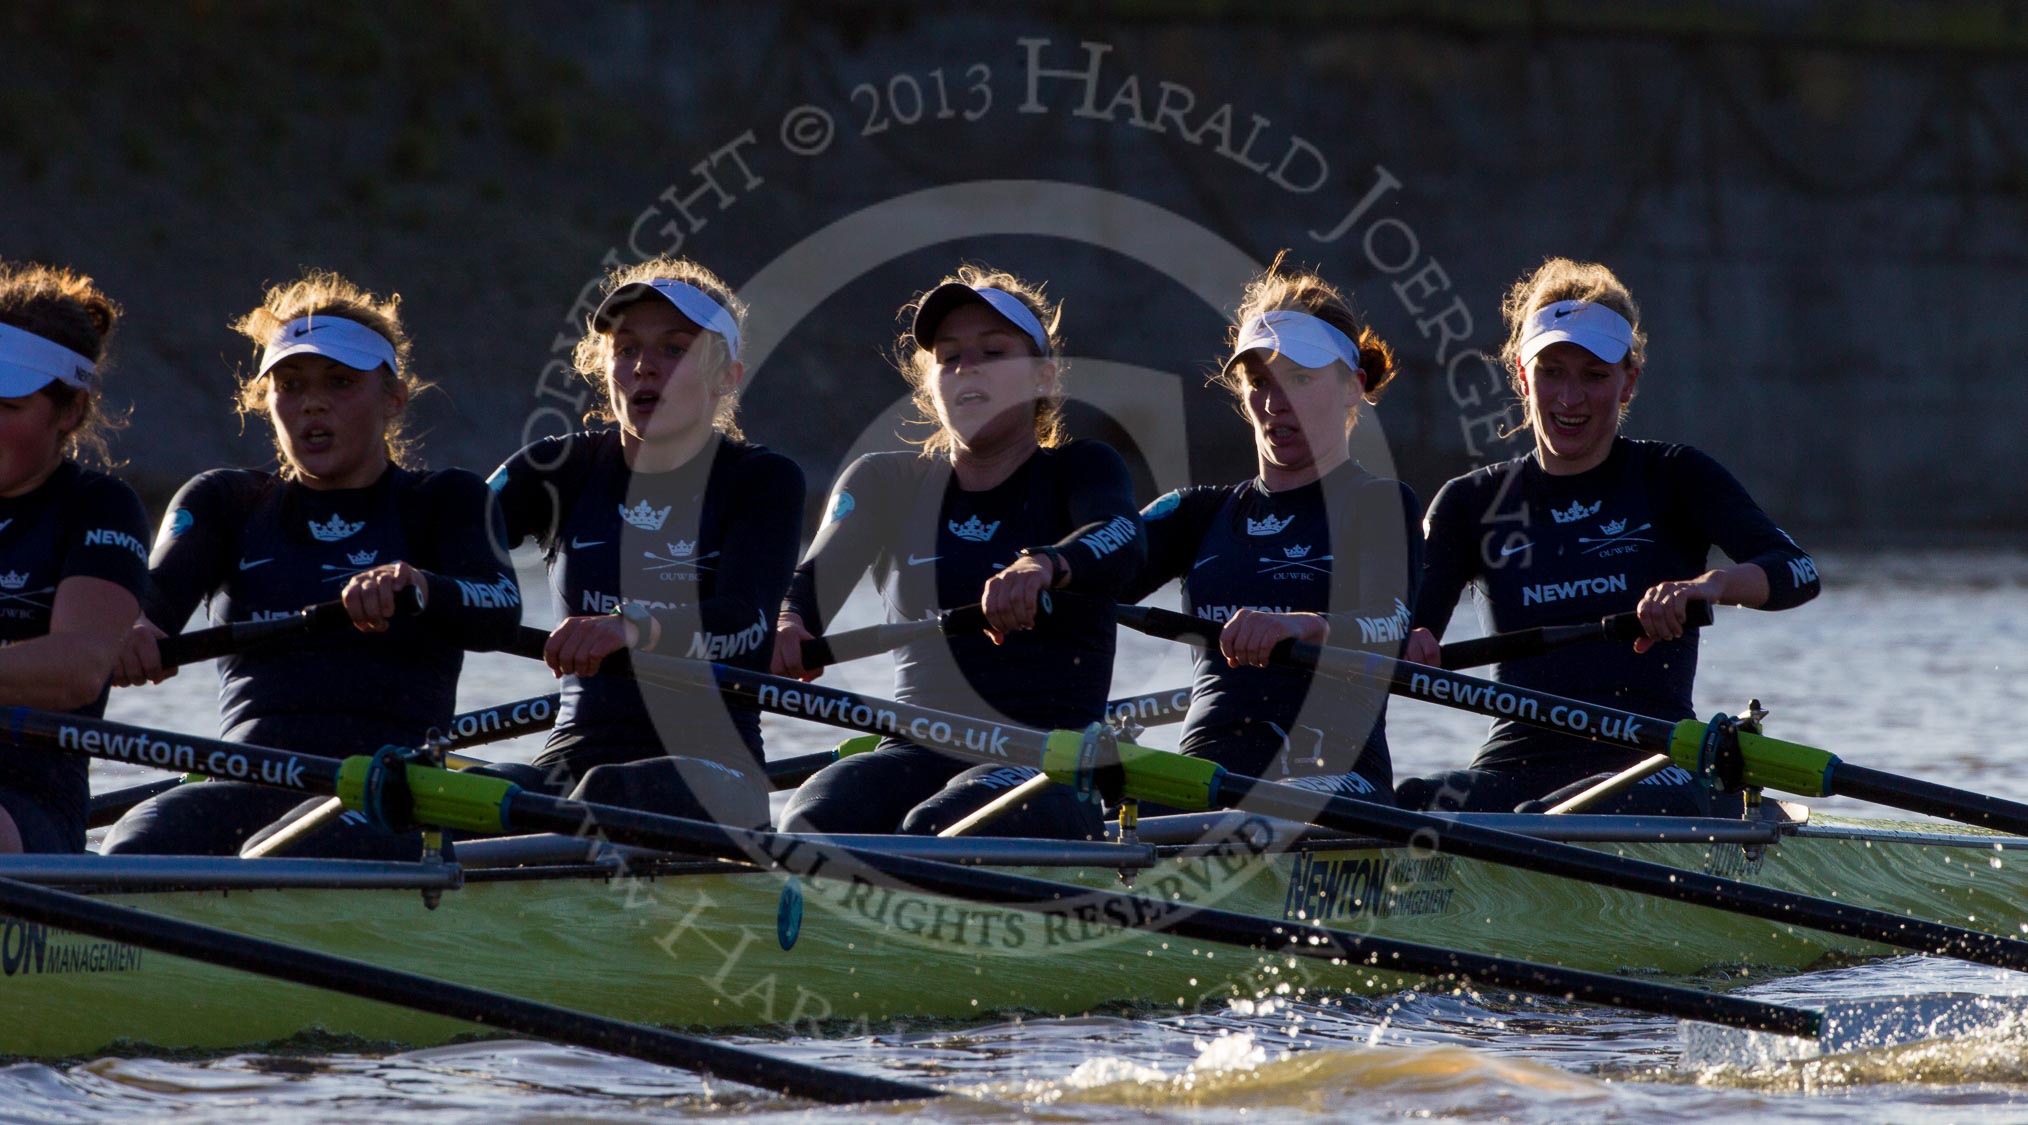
(1588, 324)
(689, 300)
(335, 338)
(29, 362)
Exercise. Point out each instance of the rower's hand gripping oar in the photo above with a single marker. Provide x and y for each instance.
(1156, 708)
(239, 636)
(1522, 643)
(1733, 758)
(1495, 649)
(227, 640)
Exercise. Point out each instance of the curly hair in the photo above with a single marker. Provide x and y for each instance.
(324, 293)
(592, 358)
(65, 307)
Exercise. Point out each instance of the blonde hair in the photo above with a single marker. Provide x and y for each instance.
(593, 356)
(1565, 279)
(1306, 291)
(325, 293)
(918, 363)
(66, 307)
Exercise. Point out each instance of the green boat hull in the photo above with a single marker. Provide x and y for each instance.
(724, 950)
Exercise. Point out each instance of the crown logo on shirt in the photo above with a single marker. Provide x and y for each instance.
(1268, 526)
(682, 548)
(1295, 552)
(973, 530)
(335, 529)
(1575, 512)
(362, 558)
(13, 580)
(1613, 528)
(644, 517)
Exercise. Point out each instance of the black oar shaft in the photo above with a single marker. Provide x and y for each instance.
(1523, 643)
(79, 914)
(225, 640)
(856, 644)
(1896, 791)
(110, 807)
(502, 722)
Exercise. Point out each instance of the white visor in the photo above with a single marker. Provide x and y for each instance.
(29, 363)
(1304, 339)
(689, 300)
(333, 337)
(1588, 324)
(946, 297)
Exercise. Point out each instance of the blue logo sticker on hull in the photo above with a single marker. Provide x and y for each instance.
(789, 915)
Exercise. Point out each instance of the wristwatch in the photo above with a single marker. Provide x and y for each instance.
(643, 620)
(1059, 567)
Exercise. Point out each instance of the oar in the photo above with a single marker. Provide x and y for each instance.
(1522, 643)
(83, 915)
(226, 640)
(238, 636)
(383, 784)
(1183, 782)
(854, 644)
(1156, 708)
(106, 808)
(1769, 763)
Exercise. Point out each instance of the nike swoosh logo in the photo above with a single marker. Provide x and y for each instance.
(1561, 313)
(577, 544)
(913, 561)
(246, 565)
(1202, 561)
(307, 331)
(1505, 551)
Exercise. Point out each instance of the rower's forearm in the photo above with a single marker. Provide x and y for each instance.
(54, 672)
(1741, 584)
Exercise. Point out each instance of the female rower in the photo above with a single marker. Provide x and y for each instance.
(73, 542)
(1592, 523)
(345, 514)
(1314, 548)
(667, 534)
(997, 508)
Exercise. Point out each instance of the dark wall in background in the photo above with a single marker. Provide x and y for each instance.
(1822, 207)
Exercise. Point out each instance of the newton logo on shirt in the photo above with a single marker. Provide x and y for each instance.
(109, 537)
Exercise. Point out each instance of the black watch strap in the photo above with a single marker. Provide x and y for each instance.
(1059, 566)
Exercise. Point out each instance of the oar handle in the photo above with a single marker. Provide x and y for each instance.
(854, 644)
(1522, 643)
(225, 640)
(107, 808)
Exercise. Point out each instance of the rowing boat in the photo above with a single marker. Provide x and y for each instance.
(710, 944)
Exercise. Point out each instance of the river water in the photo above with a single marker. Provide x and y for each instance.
(1916, 663)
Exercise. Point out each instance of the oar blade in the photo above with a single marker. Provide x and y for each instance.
(1849, 1026)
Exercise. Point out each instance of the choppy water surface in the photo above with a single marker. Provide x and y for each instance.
(1915, 663)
